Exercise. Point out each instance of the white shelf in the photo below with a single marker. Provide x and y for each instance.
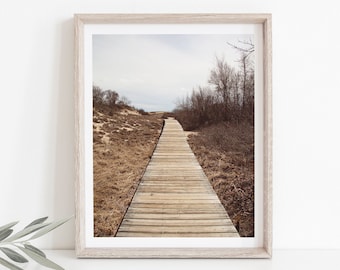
(282, 259)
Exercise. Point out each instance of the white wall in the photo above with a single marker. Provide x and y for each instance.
(36, 111)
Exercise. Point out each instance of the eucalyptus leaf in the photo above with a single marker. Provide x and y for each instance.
(34, 249)
(49, 228)
(26, 231)
(4, 234)
(41, 260)
(40, 228)
(8, 226)
(37, 221)
(13, 255)
(9, 265)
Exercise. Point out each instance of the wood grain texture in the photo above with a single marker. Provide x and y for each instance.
(82, 249)
(79, 132)
(189, 18)
(268, 136)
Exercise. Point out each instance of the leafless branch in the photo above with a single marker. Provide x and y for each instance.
(248, 50)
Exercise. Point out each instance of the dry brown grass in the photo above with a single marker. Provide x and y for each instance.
(226, 154)
(122, 146)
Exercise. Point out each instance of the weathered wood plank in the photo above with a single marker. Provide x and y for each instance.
(178, 196)
(172, 189)
(182, 183)
(188, 234)
(134, 210)
(174, 201)
(191, 216)
(175, 206)
(176, 222)
(178, 229)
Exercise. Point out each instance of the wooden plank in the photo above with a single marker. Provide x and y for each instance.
(168, 175)
(174, 201)
(172, 189)
(187, 234)
(183, 178)
(175, 183)
(178, 229)
(155, 206)
(177, 222)
(193, 216)
(134, 210)
(178, 196)
(172, 172)
(171, 185)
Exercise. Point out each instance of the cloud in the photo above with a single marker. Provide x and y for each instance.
(154, 70)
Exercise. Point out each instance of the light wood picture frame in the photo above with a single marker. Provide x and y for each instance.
(86, 26)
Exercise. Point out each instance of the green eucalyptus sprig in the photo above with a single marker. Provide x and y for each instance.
(11, 243)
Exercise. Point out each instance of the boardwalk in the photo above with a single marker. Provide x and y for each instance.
(175, 198)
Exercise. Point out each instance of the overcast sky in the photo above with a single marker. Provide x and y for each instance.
(153, 71)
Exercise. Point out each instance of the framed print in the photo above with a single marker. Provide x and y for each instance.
(173, 135)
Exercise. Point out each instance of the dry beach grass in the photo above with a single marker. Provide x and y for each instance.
(122, 146)
(226, 154)
(123, 142)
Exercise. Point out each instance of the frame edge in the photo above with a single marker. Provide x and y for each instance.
(79, 130)
(81, 251)
(174, 18)
(267, 31)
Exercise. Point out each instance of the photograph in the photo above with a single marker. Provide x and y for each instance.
(173, 135)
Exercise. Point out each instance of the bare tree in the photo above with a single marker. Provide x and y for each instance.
(230, 97)
(124, 101)
(98, 95)
(111, 97)
(245, 46)
(246, 49)
(221, 77)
